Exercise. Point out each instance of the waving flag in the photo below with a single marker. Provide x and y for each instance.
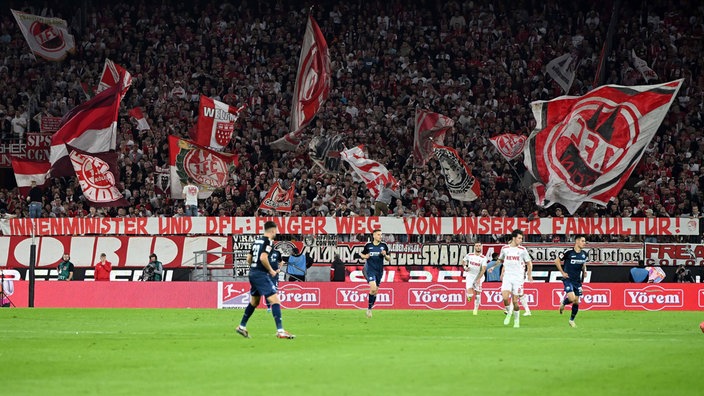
(137, 114)
(642, 66)
(562, 70)
(458, 177)
(203, 167)
(429, 128)
(98, 176)
(91, 127)
(278, 199)
(583, 149)
(374, 174)
(114, 74)
(325, 152)
(47, 37)
(312, 85)
(216, 123)
(509, 145)
(27, 171)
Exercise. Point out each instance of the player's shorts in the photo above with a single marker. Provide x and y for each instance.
(572, 286)
(262, 284)
(514, 285)
(477, 286)
(373, 275)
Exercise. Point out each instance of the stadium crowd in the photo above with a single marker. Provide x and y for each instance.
(479, 62)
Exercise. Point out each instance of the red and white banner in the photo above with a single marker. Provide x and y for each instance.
(49, 124)
(91, 127)
(353, 225)
(138, 115)
(27, 171)
(458, 176)
(278, 199)
(584, 149)
(205, 168)
(374, 174)
(333, 295)
(46, 37)
(430, 129)
(674, 254)
(642, 66)
(312, 86)
(216, 123)
(98, 176)
(509, 145)
(114, 74)
(562, 70)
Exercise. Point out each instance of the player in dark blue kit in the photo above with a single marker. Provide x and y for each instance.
(261, 282)
(274, 261)
(574, 262)
(375, 252)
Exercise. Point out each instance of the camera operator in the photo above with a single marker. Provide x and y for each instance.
(154, 270)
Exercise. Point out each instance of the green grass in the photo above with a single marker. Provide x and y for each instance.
(340, 352)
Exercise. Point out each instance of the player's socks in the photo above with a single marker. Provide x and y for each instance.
(276, 313)
(566, 301)
(247, 313)
(372, 300)
(477, 303)
(575, 309)
(524, 303)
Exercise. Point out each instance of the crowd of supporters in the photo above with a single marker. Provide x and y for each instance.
(479, 62)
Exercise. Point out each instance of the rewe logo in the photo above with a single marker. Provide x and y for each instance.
(493, 296)
(231, 296)
(654, 298)
(592, 298)
(437, 297)
(296, 296)
(358, 297)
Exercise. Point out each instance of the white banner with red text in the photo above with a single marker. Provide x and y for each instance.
(332, 295)
(674, 254)
(351, 225)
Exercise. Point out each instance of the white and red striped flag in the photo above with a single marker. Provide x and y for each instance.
(91, 127)
(46, 37)
(27, 171)
(278, 198)
(374, 174)
(138, 115)
(312, 87)
(430, 128)
(642, 66)
(114, 74)
(216, 123)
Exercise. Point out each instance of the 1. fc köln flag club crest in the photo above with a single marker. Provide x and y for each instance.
(206, 168)
(509, 144)
(583, 149)
(279, 199)
(98, 176)
(430, 128)
(216, 123)
(46, 37)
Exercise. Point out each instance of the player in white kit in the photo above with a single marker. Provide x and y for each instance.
(515, 259)
(475, 265)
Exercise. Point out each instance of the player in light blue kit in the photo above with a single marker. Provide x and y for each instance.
(574, 262)
(375, 252)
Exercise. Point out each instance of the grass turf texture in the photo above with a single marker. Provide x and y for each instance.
(341, 352)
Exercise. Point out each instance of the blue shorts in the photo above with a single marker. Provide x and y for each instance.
(262, 284)
(373, 275)
(572, 286)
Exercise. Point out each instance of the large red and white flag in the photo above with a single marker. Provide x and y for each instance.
(563, 69)
(216, 123)
(27, 171)
(47, 37)
(114, 74)
(138, 115)
(584, 148)
(458, 176)
(312, 87)
(430, 128)
(98, 176)
(199, 165)
(509, 144)
(374, 174)
(90, 126)
(642, 66)
(278, 199)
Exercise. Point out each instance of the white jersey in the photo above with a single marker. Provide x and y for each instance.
(474, 263)
(514, 261)
(190, 192)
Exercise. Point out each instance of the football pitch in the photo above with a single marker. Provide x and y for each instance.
(341, 352)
